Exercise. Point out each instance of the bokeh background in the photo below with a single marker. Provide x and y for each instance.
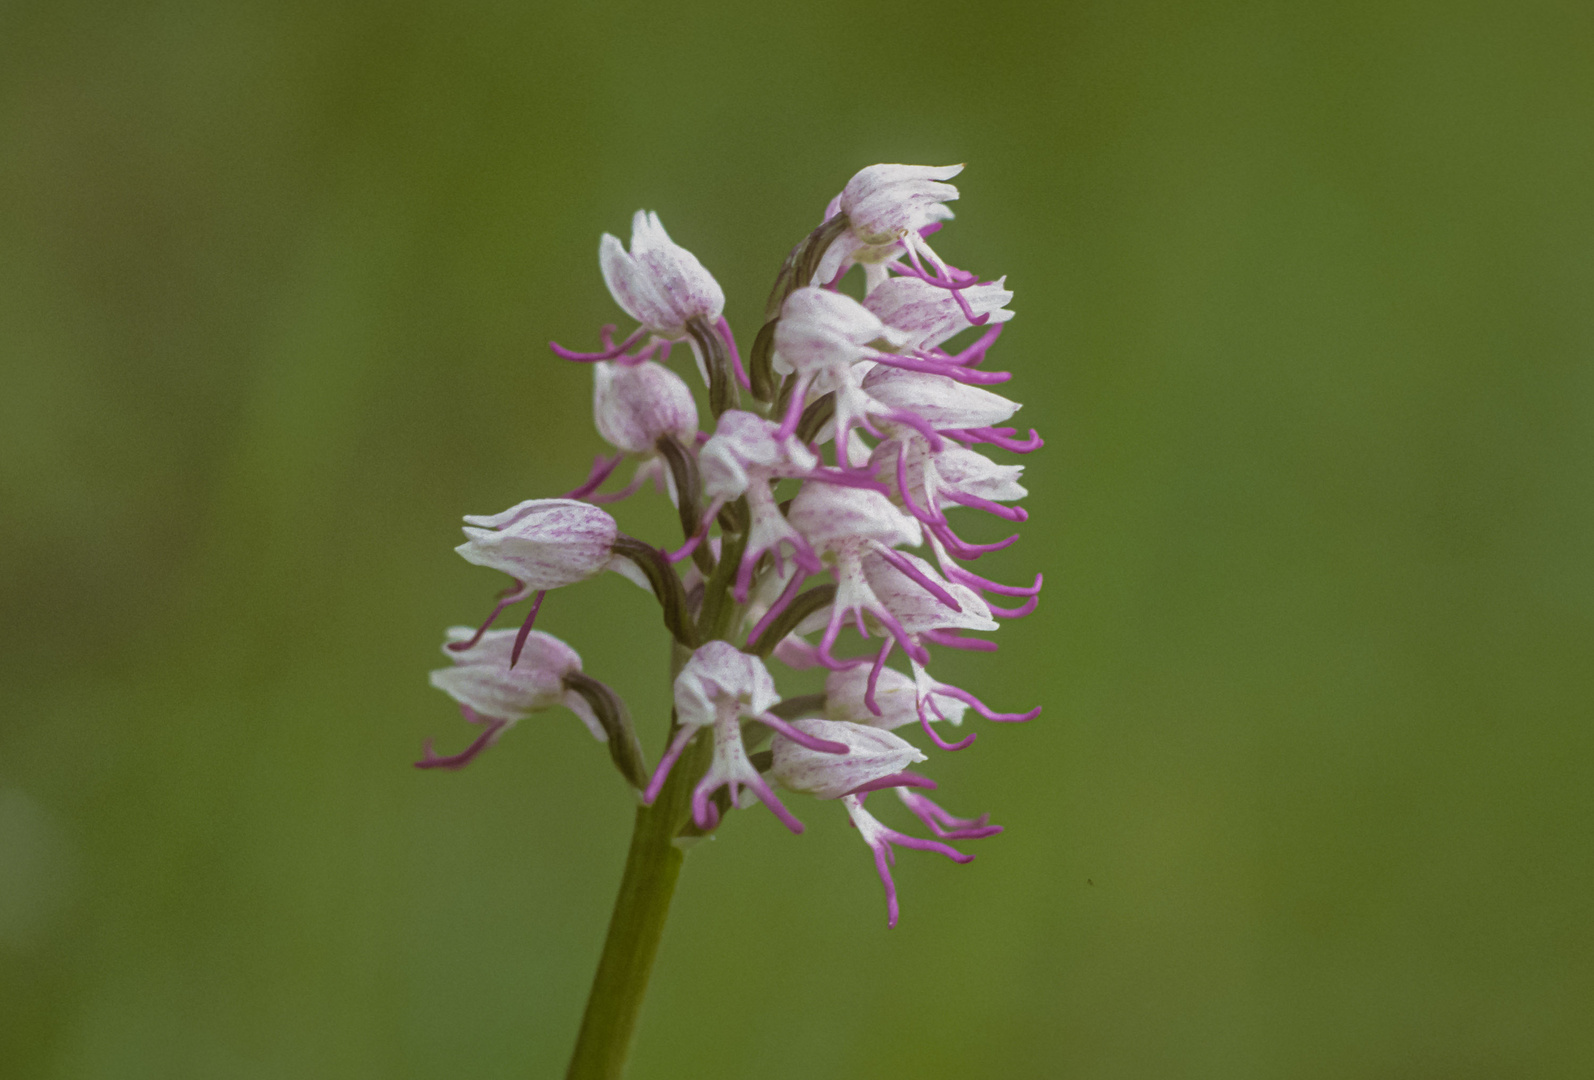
(1304, 310)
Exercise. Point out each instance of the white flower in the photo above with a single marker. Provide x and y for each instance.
(896, 695)
(887, 206)
(917, 596)
(930, 482)
(482, 678)
(634, 406)
(846, 524)
(941, 401)
(888, 202)
(960, 469)
(719, 679)
(659, 283)
(873, 755)
(839, 520)
(544, 543)
(494, 693)
(822, 333)
(716, 688)
(740, 458)
(821, 337)
(744, 449)
(926, 315)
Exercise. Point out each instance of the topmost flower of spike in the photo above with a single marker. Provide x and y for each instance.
(887, 207)
(659, 283)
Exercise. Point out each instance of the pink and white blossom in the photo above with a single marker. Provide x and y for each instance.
(875, 758)
(927, 316)
(496, 694)
(850, 691)
(716, 688)
(658, 282)
(889, 208)
(743, 455)
(821, 337)
(543, 543)
(633, 406)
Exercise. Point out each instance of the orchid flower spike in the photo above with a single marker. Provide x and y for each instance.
(779, 552)
(716, 688)
(492, 692)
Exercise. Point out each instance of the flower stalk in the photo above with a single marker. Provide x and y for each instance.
(652, 865)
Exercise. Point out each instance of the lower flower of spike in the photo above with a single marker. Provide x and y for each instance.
(493, 693)
(716, 688)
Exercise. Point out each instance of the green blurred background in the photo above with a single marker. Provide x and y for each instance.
(1304, 310)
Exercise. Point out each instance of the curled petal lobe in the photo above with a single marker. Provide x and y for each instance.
(880, 839)
(945, 825)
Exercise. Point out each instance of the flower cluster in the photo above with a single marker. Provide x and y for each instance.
(785, 554)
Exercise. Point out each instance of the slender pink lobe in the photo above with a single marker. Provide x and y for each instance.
(495, 727)
(607, 354)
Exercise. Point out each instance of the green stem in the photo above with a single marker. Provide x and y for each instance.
(637, 925)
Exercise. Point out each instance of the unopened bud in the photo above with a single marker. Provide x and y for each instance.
(543, 543)
(634, 405)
